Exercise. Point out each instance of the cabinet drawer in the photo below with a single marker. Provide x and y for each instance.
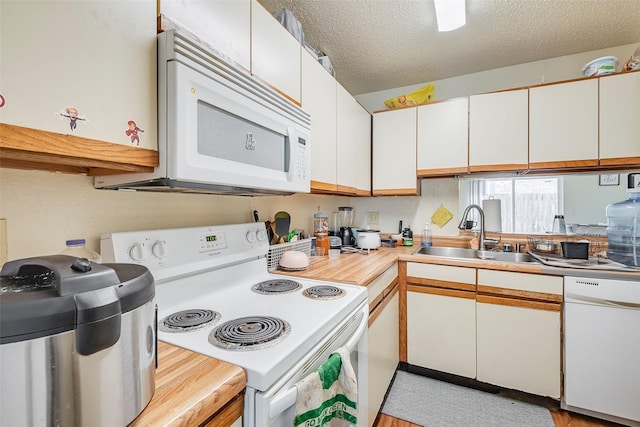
(520, 284)
(375, 288)
(441, 275)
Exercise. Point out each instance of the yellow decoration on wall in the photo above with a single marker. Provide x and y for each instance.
(441, 216)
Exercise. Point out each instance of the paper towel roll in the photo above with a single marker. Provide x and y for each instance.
(492, 215)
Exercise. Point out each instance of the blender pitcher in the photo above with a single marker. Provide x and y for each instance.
(346, 219)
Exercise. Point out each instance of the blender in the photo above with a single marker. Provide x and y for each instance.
(345, 213)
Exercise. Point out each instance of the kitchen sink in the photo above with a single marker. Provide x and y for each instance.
(444, 251)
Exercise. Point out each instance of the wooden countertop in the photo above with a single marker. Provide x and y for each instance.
(358, 269)
(353, 269)
(190, 388)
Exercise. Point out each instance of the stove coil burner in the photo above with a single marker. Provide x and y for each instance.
(188, 320)
(276, 286)
(323, 292)
(249, 333)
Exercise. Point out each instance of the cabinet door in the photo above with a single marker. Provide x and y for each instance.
(563, 125)
(362, 123)
(443, 137)
(86, 68)
(383, 354)
(441, 330)
(499, 131)
(319, 100)
(394, 153)
(619, 124)
(346, 142)
(275, 53)
(224, 25)
(519, 345)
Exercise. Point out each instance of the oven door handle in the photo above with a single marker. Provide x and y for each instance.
(352, 344)
(284, 400)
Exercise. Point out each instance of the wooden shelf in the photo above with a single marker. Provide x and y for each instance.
(26, 148)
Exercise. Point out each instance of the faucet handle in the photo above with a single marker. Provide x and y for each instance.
(492, 243)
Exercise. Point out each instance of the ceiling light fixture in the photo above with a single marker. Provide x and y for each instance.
(450, 14)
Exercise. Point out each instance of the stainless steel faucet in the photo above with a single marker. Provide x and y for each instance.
(483, 239)
(463, 221)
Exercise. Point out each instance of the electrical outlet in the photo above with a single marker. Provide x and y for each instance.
(3, 241)
(373, 218)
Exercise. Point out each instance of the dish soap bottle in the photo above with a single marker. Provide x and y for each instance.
(76, 248)
(623, 228)
(426, 237)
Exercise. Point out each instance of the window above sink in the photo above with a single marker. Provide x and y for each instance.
(529, 203)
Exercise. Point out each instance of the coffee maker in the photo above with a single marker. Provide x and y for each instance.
(345, 213)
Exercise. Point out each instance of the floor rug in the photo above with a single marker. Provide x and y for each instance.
(433, 403)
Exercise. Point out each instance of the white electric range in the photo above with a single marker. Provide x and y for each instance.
(216, 297)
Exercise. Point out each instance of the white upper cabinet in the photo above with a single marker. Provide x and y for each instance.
(319, 100)
(275, 53)
(620, 119)
(499, 131)
(443, 137)
(563, 125)
(394, 152)
(83, 68)
(224, 25)
(362, 123)
(347, 148)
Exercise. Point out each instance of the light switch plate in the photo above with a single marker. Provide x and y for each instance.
(3, 241)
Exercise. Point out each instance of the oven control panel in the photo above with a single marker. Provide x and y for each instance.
(168, 251)
(212, 241)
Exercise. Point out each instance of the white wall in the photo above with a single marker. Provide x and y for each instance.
(411, 210)
(44, 209)
(530, 74)
(585, 201)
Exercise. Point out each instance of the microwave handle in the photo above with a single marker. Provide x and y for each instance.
(283, 400)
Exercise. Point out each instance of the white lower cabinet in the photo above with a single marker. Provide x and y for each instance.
(441, 331)
(519, 346)
(499, 327)
(519, 331)
(383, 355)
(383, 338)
(441, 318)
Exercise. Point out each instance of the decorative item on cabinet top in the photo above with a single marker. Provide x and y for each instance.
(34, 149)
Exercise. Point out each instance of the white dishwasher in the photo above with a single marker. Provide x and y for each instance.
(602, 348)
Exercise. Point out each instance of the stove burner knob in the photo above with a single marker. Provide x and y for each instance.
(261, 235)
(159, 249)
(136, 252)
(251, 236)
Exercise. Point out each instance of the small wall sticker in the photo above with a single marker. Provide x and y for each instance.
(73, 115)
(132, 132)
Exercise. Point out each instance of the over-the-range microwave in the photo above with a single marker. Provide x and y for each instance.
(220, 131)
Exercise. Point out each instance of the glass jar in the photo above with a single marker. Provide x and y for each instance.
(559, 226)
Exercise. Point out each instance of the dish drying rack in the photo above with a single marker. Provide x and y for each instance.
(276, 251)
(551, 246)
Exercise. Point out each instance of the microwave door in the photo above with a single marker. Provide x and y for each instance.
(228, 137)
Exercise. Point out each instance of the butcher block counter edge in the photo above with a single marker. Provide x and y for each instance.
(191, 388)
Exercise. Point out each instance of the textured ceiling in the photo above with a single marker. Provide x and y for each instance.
(382, 44)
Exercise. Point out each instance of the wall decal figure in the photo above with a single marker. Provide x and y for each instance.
(132, 132)
(73, 115)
